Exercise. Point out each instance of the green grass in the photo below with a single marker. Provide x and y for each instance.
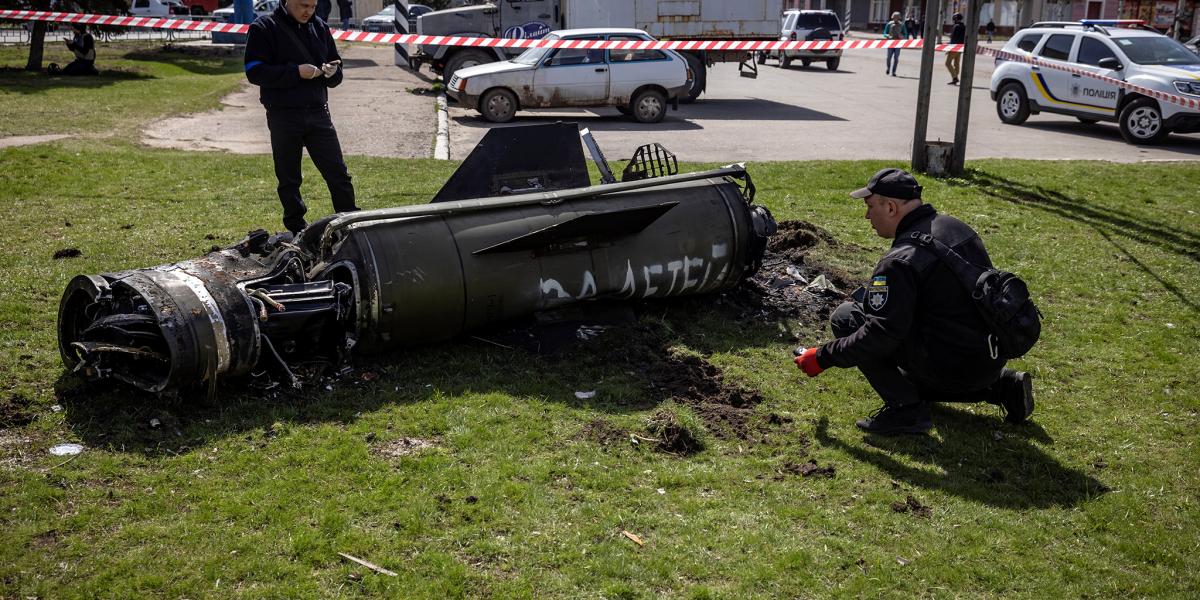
(138, 82)
(252, 496)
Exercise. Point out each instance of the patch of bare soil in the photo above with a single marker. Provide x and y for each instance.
(18, 411)
(807, 469)
(782, 288)
(913, 506)
(604, 432)
(789, 284)
(67, 253)
(404, 446)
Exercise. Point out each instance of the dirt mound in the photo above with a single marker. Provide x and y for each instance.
(789, 284)
(674, 433)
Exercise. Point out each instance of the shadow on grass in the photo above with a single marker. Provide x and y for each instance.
(970, 463)
(198, 64)
(118, 418)
(33, 82)
(1106, 221)
(1172, 239)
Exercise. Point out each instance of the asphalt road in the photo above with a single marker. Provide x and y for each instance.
(856, 112)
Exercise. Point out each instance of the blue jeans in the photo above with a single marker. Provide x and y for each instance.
(893, 59)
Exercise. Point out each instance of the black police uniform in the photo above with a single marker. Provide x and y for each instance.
(297, 108)
(915, 333)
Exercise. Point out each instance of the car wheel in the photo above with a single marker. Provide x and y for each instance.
(1012, 106)
(761, 57)
(699, 76)
(462, 60)
(832, 64)
(1142, 123)
(649, 106)
(1087, 121)
(804, 62)
(498, 105)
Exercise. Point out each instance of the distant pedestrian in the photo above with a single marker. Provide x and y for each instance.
(910, 25)
(958, 35)
(345, 10)
(991, 29)
(894, 31)
(324, 7)
(83, 46)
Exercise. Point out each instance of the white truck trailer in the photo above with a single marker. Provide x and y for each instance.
(528, 19)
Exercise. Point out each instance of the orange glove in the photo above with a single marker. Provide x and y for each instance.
(807, 361)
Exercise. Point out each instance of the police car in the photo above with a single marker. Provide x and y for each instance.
(1139, 56)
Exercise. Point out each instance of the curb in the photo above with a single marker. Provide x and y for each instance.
(441, 147)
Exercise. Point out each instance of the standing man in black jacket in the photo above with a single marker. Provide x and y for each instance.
(958, 35)
(914, 331)
(291, 57)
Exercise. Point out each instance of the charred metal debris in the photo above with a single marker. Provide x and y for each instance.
(517, 230)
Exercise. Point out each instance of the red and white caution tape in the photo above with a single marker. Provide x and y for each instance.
(692, 45)
(480, 42)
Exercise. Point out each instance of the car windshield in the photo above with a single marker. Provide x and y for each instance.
(1158, 50)
(533, 55)
(387, 12)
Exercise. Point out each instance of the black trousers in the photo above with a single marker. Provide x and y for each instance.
(292, 131)
(900, 380)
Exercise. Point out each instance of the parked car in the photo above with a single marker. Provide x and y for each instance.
(1193, 44)
(1138, 56)
(262, 7)
(157, 8)
(382, 21)
(805, 26)
(640, 83)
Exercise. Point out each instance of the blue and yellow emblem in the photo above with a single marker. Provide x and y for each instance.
(877, 294)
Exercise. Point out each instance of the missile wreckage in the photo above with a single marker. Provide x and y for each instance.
(519, 228)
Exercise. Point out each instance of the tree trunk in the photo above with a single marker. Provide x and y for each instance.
(37, 44)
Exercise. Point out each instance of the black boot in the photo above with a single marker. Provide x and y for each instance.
(890, 420)
(1014, 393)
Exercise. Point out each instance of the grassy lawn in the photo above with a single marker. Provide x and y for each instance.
(524, 489)
(138, 82)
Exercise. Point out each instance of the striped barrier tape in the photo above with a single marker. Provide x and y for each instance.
(691, 45)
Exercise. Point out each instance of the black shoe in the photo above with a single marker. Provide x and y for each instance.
(1017, 396)
(890, 420)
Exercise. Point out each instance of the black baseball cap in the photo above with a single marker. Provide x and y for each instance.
(893, 183)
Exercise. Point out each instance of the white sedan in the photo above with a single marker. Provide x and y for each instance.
(640, 83)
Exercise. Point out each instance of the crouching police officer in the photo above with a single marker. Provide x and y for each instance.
(291, 57)
(914, 331)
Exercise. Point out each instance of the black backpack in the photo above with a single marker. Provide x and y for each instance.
(1001, 297)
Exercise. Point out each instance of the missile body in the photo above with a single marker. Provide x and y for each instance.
(383, 279)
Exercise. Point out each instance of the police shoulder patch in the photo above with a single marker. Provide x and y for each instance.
(877, 295)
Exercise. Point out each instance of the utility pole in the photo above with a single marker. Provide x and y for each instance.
(932, 21)
(965, 79)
